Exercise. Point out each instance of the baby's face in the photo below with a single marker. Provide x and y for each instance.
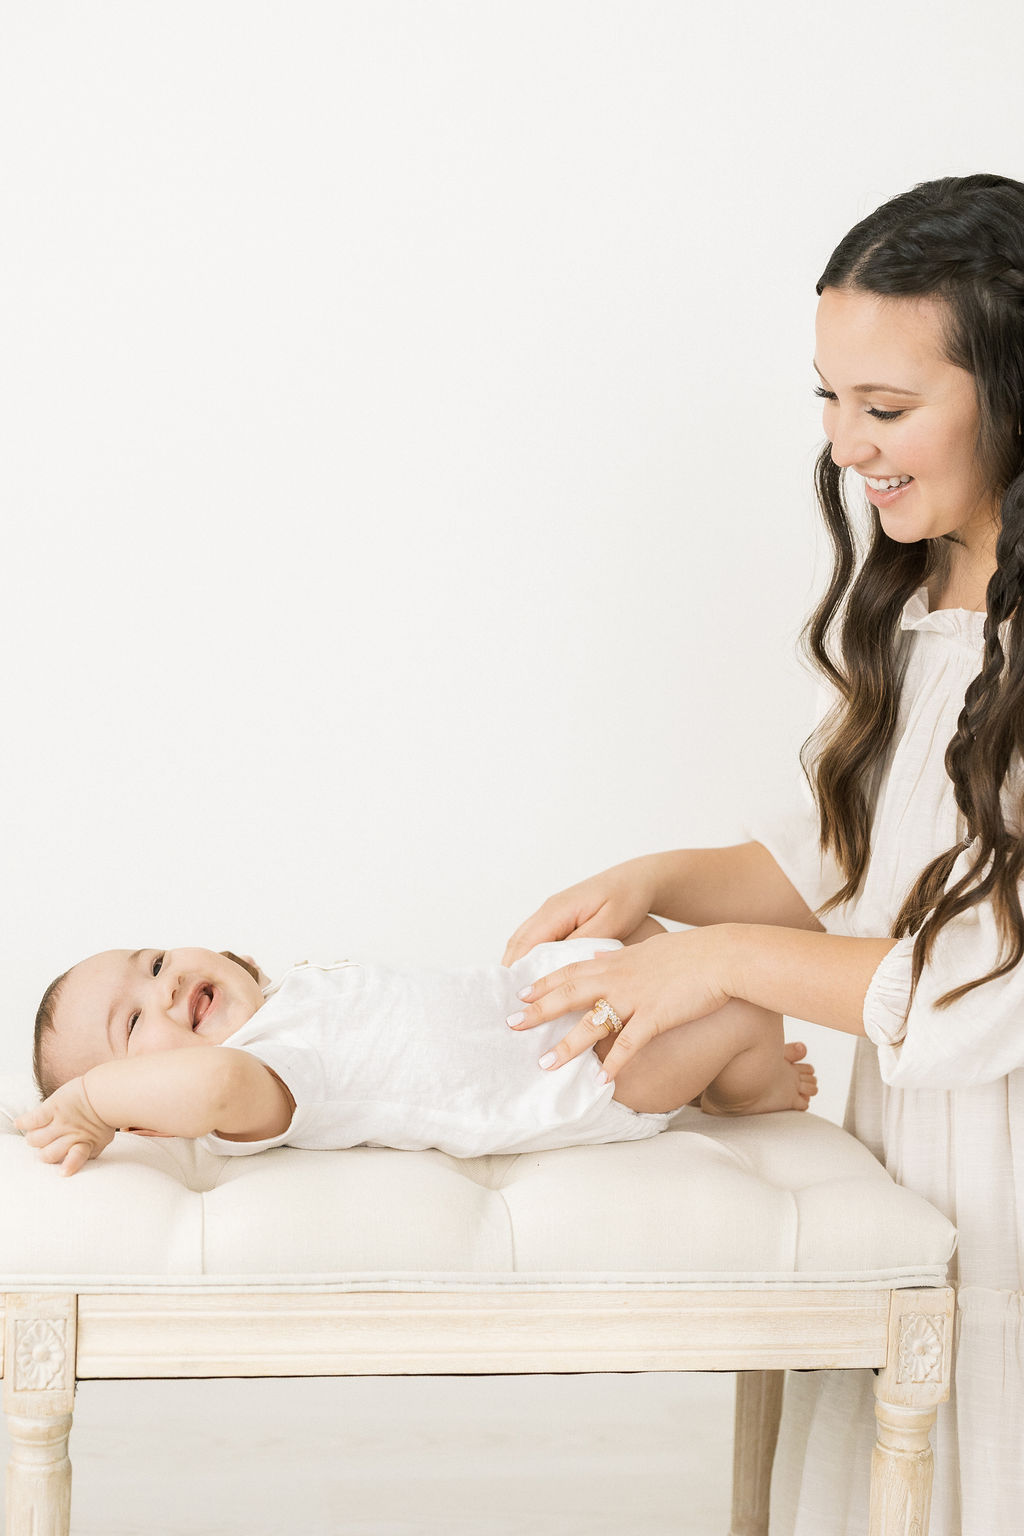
(131, 1002)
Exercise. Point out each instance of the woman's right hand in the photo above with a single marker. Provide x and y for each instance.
(611, 905)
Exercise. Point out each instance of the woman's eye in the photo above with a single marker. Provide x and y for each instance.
(827, 394)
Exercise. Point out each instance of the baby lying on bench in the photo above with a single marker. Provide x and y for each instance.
(346, 1055)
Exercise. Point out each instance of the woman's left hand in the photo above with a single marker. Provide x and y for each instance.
(654, 986)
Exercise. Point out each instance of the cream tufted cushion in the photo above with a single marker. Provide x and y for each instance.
(774, 1200)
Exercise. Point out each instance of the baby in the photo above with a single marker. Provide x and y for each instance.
(346, 1055)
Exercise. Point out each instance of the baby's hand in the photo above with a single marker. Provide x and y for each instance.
(66, 1128)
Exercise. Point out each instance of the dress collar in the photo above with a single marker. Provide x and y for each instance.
(957, 623)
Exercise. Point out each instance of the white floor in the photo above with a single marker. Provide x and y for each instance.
(404, 1456)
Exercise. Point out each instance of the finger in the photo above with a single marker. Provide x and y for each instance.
(633, 1038)
(545, 926)
(529, 934)
(43, 1136)
(583, 1036)
(58, 1148)
(32, 1119)
(76, 1158)
(515, 949)
(569, 990)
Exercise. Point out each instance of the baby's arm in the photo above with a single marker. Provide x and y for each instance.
(174, 1093)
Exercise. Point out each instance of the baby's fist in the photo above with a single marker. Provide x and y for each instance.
(65, 1128)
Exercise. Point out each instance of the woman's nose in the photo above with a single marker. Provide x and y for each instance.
(852, 446)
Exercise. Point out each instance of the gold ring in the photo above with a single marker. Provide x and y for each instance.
(604, 1013)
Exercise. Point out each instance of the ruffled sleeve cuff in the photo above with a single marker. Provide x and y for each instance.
(885, 1002)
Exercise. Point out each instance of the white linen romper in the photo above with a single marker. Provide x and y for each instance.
(941, 1103)
(385, 1056)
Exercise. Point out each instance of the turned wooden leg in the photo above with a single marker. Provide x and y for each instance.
(758, 1410)
(914, 1381)
(39, 1389)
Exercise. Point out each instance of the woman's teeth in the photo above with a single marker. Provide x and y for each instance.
(888, 485)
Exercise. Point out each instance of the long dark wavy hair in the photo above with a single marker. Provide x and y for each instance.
(959, 240)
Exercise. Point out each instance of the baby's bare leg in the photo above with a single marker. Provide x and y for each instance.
(734, 1058)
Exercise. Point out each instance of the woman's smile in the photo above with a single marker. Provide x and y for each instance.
(886, 498)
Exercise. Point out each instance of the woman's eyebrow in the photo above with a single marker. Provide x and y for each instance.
(110, 1019)
(869, 389)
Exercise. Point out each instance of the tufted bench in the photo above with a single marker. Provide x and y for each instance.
(746, 1245)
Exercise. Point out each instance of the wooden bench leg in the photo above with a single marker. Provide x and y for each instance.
(39, 1389)
(758, 1410)
(908, 1391)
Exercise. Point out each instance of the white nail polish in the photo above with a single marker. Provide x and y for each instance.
(525, 995)
(514, 1019)
(548, 1059)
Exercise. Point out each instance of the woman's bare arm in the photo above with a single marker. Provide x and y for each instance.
(738, 884)
(697, 886)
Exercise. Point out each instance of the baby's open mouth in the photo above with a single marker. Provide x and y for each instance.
(200, 1003)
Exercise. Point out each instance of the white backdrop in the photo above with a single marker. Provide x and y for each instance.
(407, 445)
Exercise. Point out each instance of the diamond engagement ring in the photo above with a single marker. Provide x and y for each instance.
(604, 1013)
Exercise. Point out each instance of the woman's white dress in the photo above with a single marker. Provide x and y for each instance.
(940, 1101)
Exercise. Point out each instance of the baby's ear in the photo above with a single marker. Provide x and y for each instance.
(246, 962)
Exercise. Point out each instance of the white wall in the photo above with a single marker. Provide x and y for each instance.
(407, 436)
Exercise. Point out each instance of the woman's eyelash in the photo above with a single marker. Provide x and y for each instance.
(156, 968)
(826, 394)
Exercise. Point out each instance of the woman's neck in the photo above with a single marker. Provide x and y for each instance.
(964, 577)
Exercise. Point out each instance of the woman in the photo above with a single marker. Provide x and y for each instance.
(890, 908)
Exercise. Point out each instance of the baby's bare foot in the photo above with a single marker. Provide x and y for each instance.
(792, 1086)
(807, 1084)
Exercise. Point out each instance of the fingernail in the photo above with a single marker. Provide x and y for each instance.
(525, 995)
(548, 1059)
(602, 1077)
(514, 1019)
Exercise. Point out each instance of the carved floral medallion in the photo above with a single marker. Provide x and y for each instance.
(40, 1351)
(920, 1349)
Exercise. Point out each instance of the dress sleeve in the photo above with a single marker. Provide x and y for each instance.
(791, 835)
(791, 830)
(977, 1039)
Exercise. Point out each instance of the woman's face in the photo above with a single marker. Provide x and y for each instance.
(896, 407)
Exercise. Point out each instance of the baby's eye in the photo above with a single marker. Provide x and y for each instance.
(157, 963)
(132, 1021)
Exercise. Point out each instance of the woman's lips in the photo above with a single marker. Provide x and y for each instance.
(886, 498)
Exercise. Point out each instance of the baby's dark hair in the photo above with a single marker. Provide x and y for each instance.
(46, 1081)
